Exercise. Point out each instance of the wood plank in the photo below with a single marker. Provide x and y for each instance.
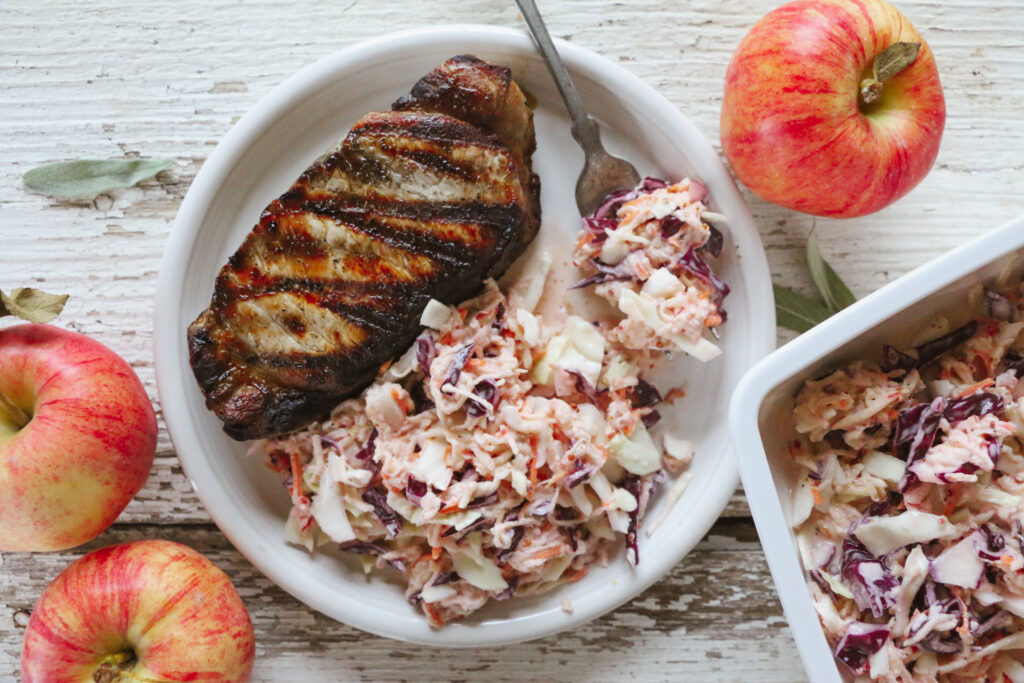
(716, 614)
(169, 79)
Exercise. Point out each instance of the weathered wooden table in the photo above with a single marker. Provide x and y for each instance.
(136, 77)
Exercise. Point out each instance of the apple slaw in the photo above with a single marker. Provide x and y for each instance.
(910, 506)
(504, 454)
(498, 457)
(644, 252)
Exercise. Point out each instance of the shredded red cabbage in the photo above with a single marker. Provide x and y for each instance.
(923, 440)
(894, 359)
(999, 307)
(415, 490)
(361, 548)
(860, 641)
(387, 516)
(632, 483)
(482, 501)
(909, 423)
(513, 584)
(478, 525)
(670, 225)
(868, 577)
(459, 362)
(816, 576)
(517, 536)
(487, 391)
(580, 473)
(643, 394)
(605, 273)
(445, 577)
(980, 405)
(929, 351)
(691, 263)
(426, 351)
(366, 452)
(650, 419)
(715, 243)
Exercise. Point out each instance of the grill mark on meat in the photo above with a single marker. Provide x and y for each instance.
(375, 310)
(437, 128)
(413, 204)
(455, 246)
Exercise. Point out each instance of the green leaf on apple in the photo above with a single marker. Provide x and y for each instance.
(833, 290)
(32, 305)
(895, 59)
(797, 312)
(887, 64)
(91, 177)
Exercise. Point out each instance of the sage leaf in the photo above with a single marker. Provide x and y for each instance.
(833, 290)
(798, 312)
(895, 59)
(32, 305)
(91, 177)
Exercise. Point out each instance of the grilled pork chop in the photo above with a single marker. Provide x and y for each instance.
(421, 202)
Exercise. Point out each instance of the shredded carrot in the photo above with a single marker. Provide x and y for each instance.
(673, 394)
(533, 464)
(447, 508)
(553, 551)
(296, 475)
(964, 628)
(578, 575)
(817, 495)
(983, 384)
(435, 553)
(432, 614)
(983, 363)
(1006, 561)
(950, 505)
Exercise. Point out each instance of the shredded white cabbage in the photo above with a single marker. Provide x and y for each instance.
(916, 473)
(470, 474)
(505, 453)
(645, 262)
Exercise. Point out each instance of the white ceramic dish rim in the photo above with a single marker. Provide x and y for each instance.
(791, 359)
(710, 498)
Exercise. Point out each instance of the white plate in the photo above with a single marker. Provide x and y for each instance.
(260, 158)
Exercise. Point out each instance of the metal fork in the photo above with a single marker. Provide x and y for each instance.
(602, 173)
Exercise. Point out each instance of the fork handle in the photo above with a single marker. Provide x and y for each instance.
(584, 128)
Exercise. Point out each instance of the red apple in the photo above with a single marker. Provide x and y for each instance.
(796, 127)
(148, 610)
(88, 443)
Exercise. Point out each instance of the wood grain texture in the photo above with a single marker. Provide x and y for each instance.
(681, 628)
(138, 78)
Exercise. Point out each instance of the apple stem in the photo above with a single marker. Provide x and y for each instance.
(16, 413)
(870, 90)
(887, 64)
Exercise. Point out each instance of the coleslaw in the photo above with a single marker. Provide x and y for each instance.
(505, 454)
(910, 507)
(643, 251)
(497, 457)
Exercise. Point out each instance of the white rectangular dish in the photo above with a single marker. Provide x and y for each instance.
(761, 408)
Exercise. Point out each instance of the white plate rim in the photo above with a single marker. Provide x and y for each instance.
(169, 337)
